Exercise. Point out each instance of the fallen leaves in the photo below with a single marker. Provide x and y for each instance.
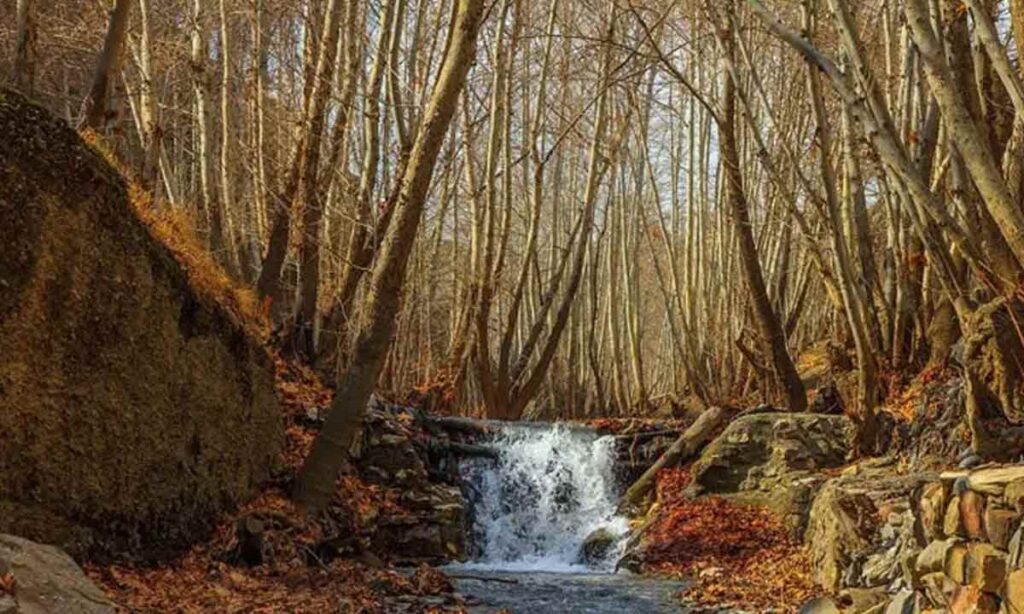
(735, 554)
(7, 584)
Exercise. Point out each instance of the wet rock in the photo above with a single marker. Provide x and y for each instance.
(431, 529)
(597, 546)
(47, 580)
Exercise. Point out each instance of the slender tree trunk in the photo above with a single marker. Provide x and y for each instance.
(204, 152)
(767, 320)
(25, 49)
(318, 475)
(94, 108)
(309, 193)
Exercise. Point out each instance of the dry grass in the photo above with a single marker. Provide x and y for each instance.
(174, 228)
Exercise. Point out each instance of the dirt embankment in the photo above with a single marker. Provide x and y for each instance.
(134, 408)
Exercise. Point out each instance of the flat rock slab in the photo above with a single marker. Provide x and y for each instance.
(47, 580)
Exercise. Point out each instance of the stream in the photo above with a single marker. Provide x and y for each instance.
(533, 508)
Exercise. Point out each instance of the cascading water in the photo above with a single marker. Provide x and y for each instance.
(549, 489)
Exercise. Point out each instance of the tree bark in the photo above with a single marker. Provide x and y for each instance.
(321, 469)
(25, 49)
(684, 447)
(94, 108)
(308, 190)
(767, 320)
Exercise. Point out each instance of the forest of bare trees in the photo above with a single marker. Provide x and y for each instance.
(587, 208)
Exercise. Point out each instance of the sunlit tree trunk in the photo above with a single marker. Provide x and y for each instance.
(95, 111)
(355, 385)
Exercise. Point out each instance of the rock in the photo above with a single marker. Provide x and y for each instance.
(999, 526)
(861, 599)
(819, 605)
(827, 400)
(1015, 560)
(904, 602)
(597, 546)
(135, 403)
(932, 509)
(762, 451)
(938, 588)
(841, 525)
(434, 531)
(986, 567)
(951, 525)
(861, 530)
(955, 564)
(971, 600)
(994, 479)
(1014, 494)
(933, 557)
(47, 580)
(387, 455)
(972, 514)
(970, 461)
(1013, 591)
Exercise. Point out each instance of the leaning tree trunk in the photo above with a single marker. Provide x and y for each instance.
(767, 320)
(692, 440)
(94, 108)
(321, 469)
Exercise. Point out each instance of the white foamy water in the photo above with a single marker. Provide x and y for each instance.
(535, 506)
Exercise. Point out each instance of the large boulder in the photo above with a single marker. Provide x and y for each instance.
(760, 451)
(774, 459)
(45, 579)
(135, 406)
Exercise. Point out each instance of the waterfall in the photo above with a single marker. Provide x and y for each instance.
(549, 489)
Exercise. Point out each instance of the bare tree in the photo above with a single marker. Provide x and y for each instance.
(316, 481)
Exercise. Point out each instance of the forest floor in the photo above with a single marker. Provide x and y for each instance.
(735, 555)
(292, 576)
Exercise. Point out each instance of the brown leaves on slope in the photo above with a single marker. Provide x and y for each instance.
(173, 227)
(735, 554)
(293, 577)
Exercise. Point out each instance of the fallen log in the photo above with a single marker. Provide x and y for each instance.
(462, 449)
(692, 440)
(648, 434)
(455, 423)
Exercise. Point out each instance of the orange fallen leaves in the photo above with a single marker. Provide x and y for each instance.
(7, 584)
(735, 554)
